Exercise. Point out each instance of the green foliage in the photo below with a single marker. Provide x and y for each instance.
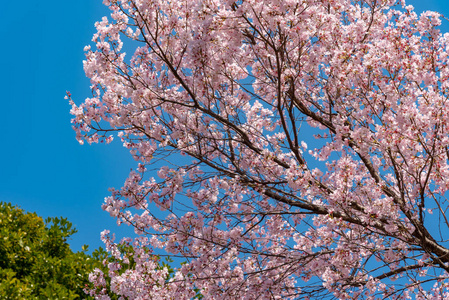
(36, 261)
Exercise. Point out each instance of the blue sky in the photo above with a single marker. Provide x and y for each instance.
(42, 166)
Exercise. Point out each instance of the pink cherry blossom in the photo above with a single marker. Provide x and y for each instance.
(291, 149)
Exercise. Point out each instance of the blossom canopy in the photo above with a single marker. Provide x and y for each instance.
(286, 149)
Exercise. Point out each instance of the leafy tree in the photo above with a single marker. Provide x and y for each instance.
(294, 148)
(36, 261)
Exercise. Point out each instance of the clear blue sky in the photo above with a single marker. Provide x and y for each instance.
(42, 166)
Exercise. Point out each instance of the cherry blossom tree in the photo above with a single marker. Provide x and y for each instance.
(288, 149)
